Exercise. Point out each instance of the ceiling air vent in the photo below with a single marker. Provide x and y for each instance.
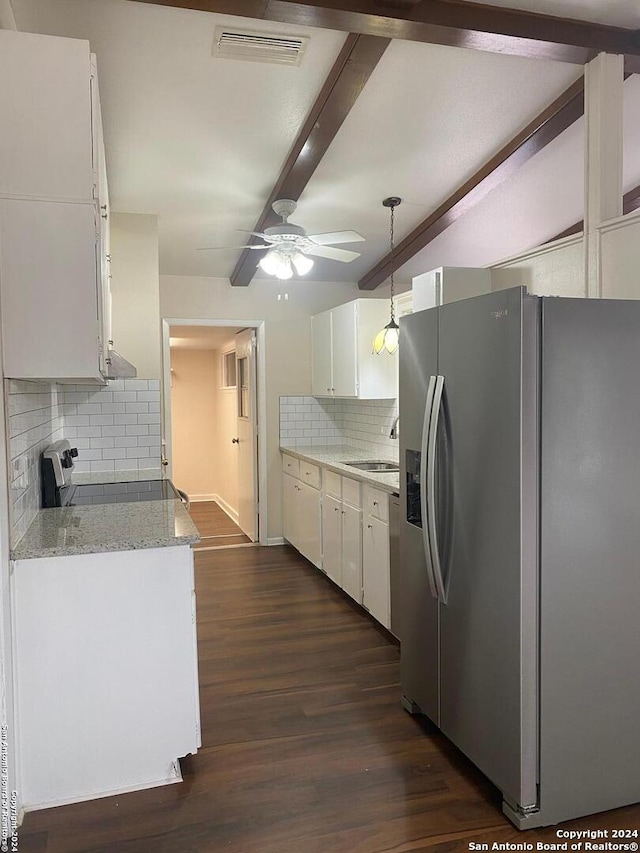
(259, 47)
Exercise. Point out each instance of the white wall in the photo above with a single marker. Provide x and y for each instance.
(135, 291)
(554, 269)
(287, 341)
(620, 256)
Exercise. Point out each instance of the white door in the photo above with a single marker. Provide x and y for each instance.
(247, 431)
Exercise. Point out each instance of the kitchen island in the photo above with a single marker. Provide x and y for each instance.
(105, 646)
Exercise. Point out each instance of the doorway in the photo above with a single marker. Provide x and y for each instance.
(213, 401)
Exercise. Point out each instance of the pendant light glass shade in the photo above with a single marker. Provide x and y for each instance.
(302, 263)
(269, 263)
(387, 339)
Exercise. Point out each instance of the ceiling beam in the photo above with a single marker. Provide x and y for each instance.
(546, 127)
(347, 78)
(449, 22)
(630, 203)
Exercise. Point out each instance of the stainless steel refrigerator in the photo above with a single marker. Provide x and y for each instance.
(520, 544)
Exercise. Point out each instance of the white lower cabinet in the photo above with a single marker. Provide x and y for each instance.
(302, 523)
(375, 569)
(307, 511)
(344, 530)
(332, 538)
(106, 674)
(352, 552)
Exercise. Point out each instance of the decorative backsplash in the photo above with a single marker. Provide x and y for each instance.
(365, 424)
(114, 427)
(34, 420)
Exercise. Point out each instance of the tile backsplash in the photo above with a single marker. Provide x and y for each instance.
(365, 424)
(114, 427)
(34, 420)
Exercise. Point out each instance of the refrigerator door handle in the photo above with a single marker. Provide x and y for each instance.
(431, 487)
(423, 485)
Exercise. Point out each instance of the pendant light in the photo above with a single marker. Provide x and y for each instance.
(387, 338)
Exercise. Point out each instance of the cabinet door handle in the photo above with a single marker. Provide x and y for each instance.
(335, 509)
(370, 526)
(235, 441)
(344, 512)
(375, 503)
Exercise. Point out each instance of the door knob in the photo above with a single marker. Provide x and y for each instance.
(235, 441)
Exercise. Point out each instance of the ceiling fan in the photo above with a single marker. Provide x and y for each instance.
(288, 246)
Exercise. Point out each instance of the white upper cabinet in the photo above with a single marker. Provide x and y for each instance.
(50, 324)
(343, 361)
(54, 211)
(46, 144)
(321, 355)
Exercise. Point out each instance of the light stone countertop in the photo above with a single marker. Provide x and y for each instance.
(64, 531)
(334, 458)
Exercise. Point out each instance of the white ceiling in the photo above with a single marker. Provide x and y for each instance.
(202, 337)
(200, 141)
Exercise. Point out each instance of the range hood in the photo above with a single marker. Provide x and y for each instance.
(118, 367)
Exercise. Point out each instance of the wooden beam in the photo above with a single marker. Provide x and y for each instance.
(347, 78)
(450, 22)
(546, 127)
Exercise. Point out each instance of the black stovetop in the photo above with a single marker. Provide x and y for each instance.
(109, 493)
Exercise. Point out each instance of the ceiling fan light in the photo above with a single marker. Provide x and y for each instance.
(302, 263)
(283, 267)
(387, 339)
(269, 263)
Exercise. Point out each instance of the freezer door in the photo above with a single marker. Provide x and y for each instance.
(590, 557)
(419, 609)
(487, 453)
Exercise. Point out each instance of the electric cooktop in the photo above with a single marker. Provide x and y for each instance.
(110, 493)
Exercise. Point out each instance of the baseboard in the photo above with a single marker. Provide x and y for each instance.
(224, 506)
(202, 498)
(276, 540)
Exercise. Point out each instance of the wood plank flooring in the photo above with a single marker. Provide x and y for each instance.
(305, 746)
(215, 526)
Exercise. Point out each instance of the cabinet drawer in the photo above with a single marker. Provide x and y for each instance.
(310, 474)
(331, 483)
(290, 465)
(351, 492)
(376, 503)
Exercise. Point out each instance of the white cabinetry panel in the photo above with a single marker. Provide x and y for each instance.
(344, 351)
(106, 672)
(352, 551)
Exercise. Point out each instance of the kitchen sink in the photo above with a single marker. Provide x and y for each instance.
(388, 467)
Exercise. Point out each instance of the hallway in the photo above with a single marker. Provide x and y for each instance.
(305, 746)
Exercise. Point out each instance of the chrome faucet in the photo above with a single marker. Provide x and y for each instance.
(395, 429)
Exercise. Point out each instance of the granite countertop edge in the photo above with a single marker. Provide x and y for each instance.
(106, 528)
(331, 457)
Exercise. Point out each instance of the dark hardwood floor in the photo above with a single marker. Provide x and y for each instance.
(216, 528)
(305, 746)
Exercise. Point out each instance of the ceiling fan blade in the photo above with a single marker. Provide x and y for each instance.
(336, 237)
(343, 255)
(213, 248)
